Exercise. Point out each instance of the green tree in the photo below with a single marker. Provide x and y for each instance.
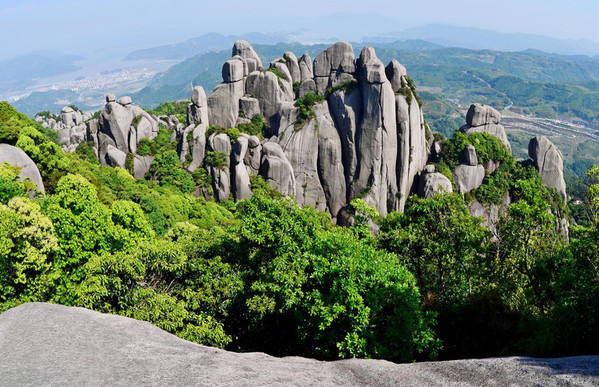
(441, 243)
(27, 247)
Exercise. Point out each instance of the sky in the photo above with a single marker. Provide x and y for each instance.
(85, 26)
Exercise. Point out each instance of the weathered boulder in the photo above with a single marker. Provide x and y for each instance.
(253, 156)
(122, 125)
(221, 179)
(223, 103)
(197, 110)
(276, 169)
(240, 182)
(126, 100)
(48, 344)
(307, 86)
(549, 162)
(300, 145)
(71, 117)
(333, 66)
(346, 110)
(270, 90)
(293, 66)
(330, 164)
(468, 156)
(141, 165)
(468, 177)
(482, 118)
(479, 115)
(431, 183)
(233, 70)
(246, 51)
(193, 139)
(396, 74)
(16, 156)
(413, 149)
(249, 106)
(115, 157)
(306, 68)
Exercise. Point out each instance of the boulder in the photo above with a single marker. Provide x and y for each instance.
(115, 157)
(276, 169)
(223, 103)
(432, 184)
(484, 119)
(141, 165)
(16, 156)
(233, 70)
(346, 110)
(468, 177)
(253, 156)
(479, 115)
(125, 101)
(249, 106)
(270, 91)
(293, 66)
(246, 51)
(240, 177)
(306, 69)
(307, 86)
(330, 163)
(396, 74)
(300, 145)
(197, 110)
(221, 181)
(71, 117)
(468, 156)
(333, 66)
(549, 162)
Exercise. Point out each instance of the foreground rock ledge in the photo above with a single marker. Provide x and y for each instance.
(44, 344)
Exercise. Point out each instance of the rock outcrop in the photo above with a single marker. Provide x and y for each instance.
(470, 174)
(46, 344)
(366, 139)
(432, 183)
(483, 118)
(549, 162)
(72, 125)
(16, 156)
(192, 140)
(121, 126)
(361, 134)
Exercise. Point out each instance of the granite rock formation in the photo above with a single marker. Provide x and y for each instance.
(483, 118)
(46, 344)
(15, 156)
(366, 139)
(549, 161)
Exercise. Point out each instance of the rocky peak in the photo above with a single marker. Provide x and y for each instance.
(549, 161)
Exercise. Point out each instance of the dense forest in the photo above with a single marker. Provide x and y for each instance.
(264, 274)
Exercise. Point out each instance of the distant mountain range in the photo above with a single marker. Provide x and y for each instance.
(202, 44)
(20, 72)
(477, 38)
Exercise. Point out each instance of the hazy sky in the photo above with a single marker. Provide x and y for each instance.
(81, 26)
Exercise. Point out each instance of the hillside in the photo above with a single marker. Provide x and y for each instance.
(303, 208)
(57, 345)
